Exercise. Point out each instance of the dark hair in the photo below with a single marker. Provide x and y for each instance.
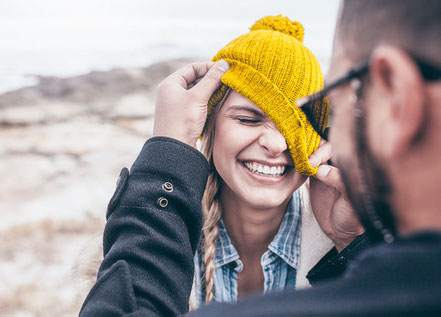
(413, 25)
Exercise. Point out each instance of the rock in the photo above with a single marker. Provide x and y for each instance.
(97, 85)
(49, 112)
(63, 143)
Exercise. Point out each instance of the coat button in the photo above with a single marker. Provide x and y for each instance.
(163, 202)
(167, 186)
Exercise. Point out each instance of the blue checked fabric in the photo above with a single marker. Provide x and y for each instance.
(279, 262)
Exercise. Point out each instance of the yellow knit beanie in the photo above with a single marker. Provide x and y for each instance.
(272, 68)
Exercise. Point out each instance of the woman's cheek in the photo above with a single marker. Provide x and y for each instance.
(296, 180)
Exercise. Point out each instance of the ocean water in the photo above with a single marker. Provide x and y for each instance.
(71, 37)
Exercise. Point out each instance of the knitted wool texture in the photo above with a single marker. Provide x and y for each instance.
(272, 68)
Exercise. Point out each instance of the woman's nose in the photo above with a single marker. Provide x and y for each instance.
(272, 141)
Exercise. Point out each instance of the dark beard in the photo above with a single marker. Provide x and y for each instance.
(379, 192)
(369, 189)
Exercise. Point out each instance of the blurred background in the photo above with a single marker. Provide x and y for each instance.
(77, 92)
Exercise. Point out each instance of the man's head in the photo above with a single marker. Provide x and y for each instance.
(412, 25)
(385, 132)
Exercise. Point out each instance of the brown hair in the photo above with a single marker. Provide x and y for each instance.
(412, 25)
(211, 206)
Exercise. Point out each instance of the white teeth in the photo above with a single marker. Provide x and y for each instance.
(265, 169)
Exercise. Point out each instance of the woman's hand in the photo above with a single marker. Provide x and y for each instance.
(333, 211)
(181, 101)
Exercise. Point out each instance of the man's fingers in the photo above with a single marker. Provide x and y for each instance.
(211, 81)
(322, 155)
(186, 75)
(330, 175)
(194, 83)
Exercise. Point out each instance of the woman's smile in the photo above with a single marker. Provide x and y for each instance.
(265, 173)
(266, 170)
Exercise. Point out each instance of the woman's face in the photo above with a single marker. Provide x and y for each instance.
(251, 155)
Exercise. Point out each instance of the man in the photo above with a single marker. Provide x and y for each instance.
(385, 87)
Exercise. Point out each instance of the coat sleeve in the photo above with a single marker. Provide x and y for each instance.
(333, 264)
(153, 227)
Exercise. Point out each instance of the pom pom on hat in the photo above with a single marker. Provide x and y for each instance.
(281, 24)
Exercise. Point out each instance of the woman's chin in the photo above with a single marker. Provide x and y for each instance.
(265, 202)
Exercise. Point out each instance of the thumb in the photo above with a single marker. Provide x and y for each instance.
(211, 81)
(330, 175)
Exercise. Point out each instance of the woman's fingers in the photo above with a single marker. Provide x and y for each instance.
(326, 173)
(322, 155)
(330, 175)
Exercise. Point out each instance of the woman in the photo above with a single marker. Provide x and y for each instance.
(259, 234)
(154, 218)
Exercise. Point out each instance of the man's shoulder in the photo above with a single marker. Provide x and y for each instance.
(400, 278)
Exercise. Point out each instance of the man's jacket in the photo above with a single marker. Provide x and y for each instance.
(153, 228)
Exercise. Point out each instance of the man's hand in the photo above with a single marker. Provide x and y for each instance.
(181, 102)
(333, 211)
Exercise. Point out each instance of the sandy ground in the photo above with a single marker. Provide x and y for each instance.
(62, 145)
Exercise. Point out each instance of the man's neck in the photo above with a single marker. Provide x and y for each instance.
(417, 198)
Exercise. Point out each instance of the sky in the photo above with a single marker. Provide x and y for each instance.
(66, 38)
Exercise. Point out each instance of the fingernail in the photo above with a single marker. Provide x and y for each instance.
(314, 162)
(301, 101)
(323, 171)
(223, 65)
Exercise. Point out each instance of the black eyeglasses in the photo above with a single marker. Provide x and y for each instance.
(429, 71)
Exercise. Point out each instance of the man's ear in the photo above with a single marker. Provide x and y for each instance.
(398, 78)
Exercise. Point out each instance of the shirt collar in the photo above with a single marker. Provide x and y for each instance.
(225, 250)
(286, 243)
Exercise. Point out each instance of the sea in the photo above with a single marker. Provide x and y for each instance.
(71, 37)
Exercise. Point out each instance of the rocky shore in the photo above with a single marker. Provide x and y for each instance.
(62, 144)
